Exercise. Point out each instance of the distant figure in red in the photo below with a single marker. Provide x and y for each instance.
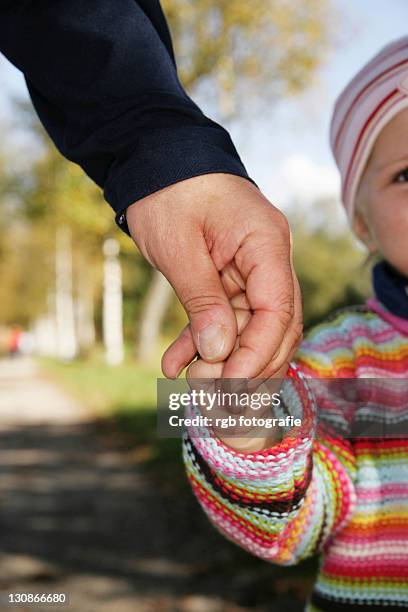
(14, 341)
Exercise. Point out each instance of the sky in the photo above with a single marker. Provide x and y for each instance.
(291, 159)
(288, 154)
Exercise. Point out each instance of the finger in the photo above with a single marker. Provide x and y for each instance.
(179, 354)
(270, 293)
(200, 378)
(201, 375)
(293, 338)
(232, 280)
(207, 376)
(204, 369)
(243, 317)
(240, 301)
(199, 288)
(183, 350)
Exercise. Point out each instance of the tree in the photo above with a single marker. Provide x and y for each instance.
(62, 220)
(270, 48)
(57, 222)
(231, 51)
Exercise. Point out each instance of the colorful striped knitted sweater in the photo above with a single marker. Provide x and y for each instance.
(345, 498)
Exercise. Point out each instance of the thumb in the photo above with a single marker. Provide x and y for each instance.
(198, 285)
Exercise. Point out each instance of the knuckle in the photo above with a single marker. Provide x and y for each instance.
(281, 223)
(201, 303)
(285, 311)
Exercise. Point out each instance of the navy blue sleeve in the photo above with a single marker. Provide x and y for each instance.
(103, 79)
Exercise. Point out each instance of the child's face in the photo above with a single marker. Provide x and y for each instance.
(381, 219)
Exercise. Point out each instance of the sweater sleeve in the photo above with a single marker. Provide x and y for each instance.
(285, 503)
(103, 79)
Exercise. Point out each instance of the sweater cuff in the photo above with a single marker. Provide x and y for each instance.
(166, 160)
(286, 458)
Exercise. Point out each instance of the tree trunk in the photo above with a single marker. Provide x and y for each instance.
(112, 304)
(64, 303)
(85, 312)
(155, 307)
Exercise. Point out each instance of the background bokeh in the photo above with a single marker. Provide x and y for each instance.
(91, 501)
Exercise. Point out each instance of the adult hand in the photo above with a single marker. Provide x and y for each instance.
(215, 237)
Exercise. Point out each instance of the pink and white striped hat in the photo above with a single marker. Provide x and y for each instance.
(375, 95)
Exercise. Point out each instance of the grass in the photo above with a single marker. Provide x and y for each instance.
(101, 387)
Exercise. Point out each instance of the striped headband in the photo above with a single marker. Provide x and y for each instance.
(375, 95)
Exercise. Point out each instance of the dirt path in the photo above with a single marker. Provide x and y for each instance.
(27, 398)
(80, 515)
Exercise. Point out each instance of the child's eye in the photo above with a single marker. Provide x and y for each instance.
(402, 177)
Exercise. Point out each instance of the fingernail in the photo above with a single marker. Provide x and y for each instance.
(211, 341)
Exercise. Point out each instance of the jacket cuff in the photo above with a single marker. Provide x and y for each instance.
(168, 159)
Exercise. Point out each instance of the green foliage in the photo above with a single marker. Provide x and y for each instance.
(51, 194)
(330, 267)
(262, 48)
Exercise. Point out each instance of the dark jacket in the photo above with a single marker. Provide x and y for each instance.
(102, 77)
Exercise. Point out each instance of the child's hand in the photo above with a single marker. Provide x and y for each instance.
(243, 440)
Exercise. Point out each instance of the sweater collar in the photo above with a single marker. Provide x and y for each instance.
(391, 289)
(396, 322)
